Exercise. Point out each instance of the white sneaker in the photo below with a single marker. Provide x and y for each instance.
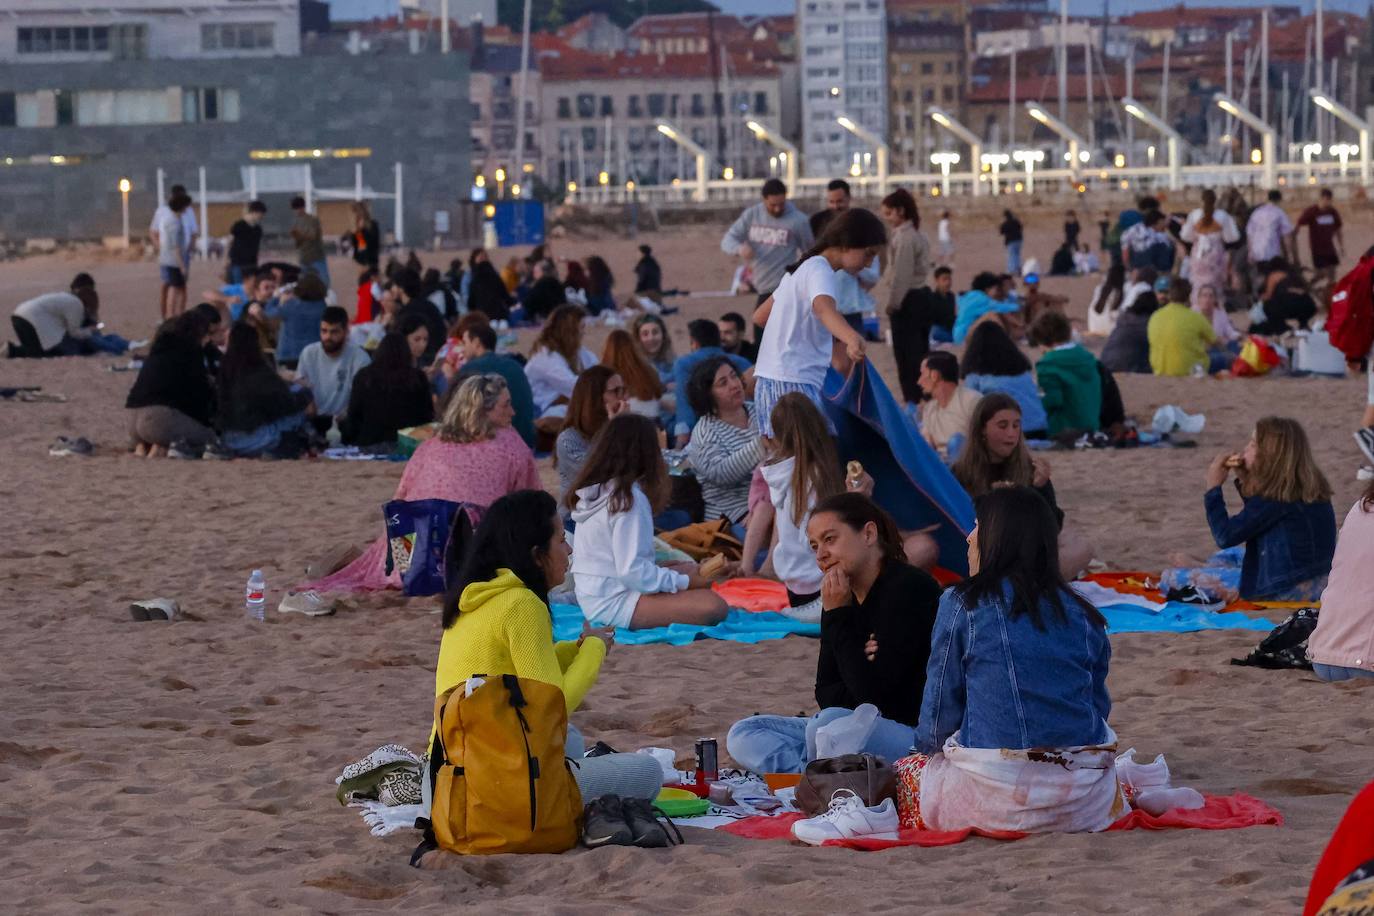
(1365, 473)
(849, 818)
(810, 612)
(309, 603)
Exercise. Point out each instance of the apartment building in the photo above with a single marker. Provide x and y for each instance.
(843, 62)
(926, 67)
(494, 94)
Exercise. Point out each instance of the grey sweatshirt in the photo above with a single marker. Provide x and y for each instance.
(778, 242)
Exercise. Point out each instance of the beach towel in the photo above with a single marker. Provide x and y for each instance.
(738, 626)
(909, 479)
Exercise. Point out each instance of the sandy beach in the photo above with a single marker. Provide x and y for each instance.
(191, 765)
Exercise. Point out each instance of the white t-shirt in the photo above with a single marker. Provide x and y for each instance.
(171, 238)
(188, 221)
(796, 347)
(943, 232)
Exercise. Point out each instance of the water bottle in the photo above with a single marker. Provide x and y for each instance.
(255, 600)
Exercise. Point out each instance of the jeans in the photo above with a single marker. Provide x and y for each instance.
(1338, 673)
(1014, 258)
(320, 268)
(786, 744)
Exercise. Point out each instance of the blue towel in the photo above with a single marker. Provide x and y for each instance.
(1176, 617)
(739, 626)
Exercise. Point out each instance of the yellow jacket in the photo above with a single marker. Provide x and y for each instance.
(503, 628)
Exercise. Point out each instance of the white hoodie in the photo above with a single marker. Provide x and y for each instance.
(613, 556)
(793, 560)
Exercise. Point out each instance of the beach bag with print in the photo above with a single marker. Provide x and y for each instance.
(1350, 324)
(498, 780)
(1257, 356)
(417, 534)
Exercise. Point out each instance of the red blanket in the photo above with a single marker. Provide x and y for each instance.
(1221, 812)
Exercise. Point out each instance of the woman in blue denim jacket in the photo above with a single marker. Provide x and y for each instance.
(1017, 660)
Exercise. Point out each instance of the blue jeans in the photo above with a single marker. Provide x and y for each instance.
(235, 274)
(1338, 673)
(1014, 258)
(319, 268)
(786, 744)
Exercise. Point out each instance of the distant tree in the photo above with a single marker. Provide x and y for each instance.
(546, 16)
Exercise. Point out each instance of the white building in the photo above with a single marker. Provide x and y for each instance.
(68, 31)
(463, 12)
(842, 47)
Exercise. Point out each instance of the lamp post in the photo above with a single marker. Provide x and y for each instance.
(1310, 150)
(682, 140)
(944, 161)
(975, 144)
(500, 182)
(1029, 158)
(1343, 152)
(1322, 100)
(1267, 154)
(873, 140)
(125, 186)
(1173, 141)
(1077, 145)
(995, 161)
(788, 152)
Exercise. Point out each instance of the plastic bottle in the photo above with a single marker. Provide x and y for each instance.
(255, 597)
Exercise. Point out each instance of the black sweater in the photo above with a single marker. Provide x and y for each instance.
(174, 375)
(487, 293)
(256, 398)
(377, 409)
(899, 613)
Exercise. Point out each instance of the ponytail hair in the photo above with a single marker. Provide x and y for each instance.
(854, 228)
(902, 201)
(857, 511)
(1209, 204)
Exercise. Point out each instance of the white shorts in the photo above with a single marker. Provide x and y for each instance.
(604, 601)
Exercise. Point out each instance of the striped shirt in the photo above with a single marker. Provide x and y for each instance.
(723, 458)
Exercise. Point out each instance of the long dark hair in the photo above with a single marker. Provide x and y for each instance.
(856, 511)
(623, 454)
(991, 351)
(599, 279)
(243, 355)
(854, 228)
(514, 532)
(902, 201)
(1018, 546)
(977, 469)
(1115, 281)
(587, 406)
(392, 365)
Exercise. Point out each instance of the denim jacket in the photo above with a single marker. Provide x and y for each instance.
(1285, 543)
(1001, 683)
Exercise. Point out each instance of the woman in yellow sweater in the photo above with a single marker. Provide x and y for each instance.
(497, 621)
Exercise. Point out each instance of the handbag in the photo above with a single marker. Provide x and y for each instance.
(417, 533)
(702, 540)
(865, 775)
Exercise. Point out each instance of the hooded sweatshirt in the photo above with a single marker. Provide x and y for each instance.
(503, 628)
(973, 305)
(613, 552)
(778, 242)
(793, 560)
(1071, 387)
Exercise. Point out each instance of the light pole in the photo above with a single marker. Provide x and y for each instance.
(995, 161)
(1322, 100)
(873, 140)
(125, 186)
(944, 161)
(788, 152)
(1308, 151)
(500, 182)
(682, 140)
(1267, 155)
(975, 144)
(1077, 145)
(1029, 158)
(1343, 152)
(1173, 141)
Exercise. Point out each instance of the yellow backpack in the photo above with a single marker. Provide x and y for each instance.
(497, 774)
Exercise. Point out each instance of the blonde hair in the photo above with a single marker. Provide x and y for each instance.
(466, 418)
(1285, 469)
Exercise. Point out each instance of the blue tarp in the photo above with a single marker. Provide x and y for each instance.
(910, 480)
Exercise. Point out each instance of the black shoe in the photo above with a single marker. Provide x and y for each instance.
(600, 749)
(216, 452)
(643, 819)
(185, 450)
(603, 824)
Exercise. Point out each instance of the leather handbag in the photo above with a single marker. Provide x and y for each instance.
(865, 775)
(702, 540)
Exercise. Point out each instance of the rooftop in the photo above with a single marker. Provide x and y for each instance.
(570, 64)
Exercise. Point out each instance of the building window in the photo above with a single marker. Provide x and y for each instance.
(129, 42)
(927, 95)
(636, 109)
(698, 109)
(761, 103)
(927, 68)
(237, 36)
(656, 104)
(949, 66)
(948, 93)
(564, 108)
(607, 107)
(908, 96)
(589, 138)
(7, 109)
(62, 39)
(586, 106)
(66, 107)
(209, 105)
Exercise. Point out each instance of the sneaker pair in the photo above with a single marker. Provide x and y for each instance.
(185, 450)
(64, 446)
(849, 818)
(614, 821)
(1364, 438)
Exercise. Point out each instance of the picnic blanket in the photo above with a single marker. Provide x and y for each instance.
(909, 479)
(738, 626)
(1220, 812)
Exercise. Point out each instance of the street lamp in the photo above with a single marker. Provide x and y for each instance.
(682, 140)
(873, 140)
(1173, 141)
(125, 186)
(789, 152)
(995, 161)
(975, 144)
(1077, 145)
(944, 161)
(1344, 151)
(1030, 158)
(1267, 155)
(1321, 100)
(500, 182)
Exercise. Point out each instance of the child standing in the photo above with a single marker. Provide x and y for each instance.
(1069, 376)
(803, 328)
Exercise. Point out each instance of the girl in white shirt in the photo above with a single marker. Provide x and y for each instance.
(804, 332)
(803, 469)
(557, 360)
(623, 482)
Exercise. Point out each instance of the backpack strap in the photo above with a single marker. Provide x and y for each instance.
(517, 701)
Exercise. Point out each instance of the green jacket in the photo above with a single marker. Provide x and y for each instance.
(1071, 388)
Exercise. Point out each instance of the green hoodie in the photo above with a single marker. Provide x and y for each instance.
(1071, 389)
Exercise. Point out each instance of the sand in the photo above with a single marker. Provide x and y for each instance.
(192, 765)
